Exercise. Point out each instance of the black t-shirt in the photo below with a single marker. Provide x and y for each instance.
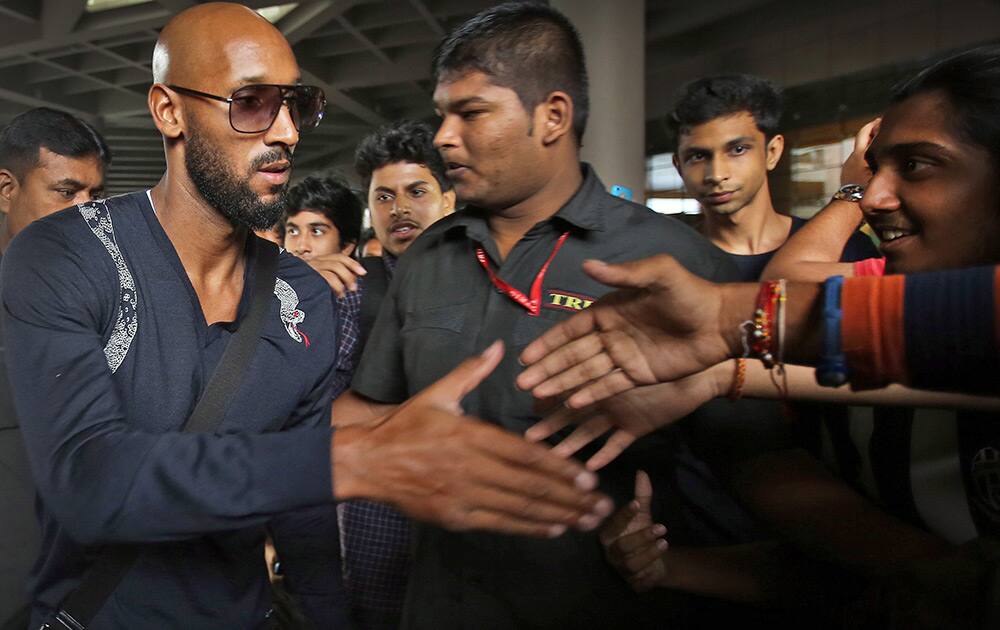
(859, 247)
(710, 515)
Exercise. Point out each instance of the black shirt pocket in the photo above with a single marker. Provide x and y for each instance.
(435, 340)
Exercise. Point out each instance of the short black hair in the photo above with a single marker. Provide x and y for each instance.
(528, 47)
(709, 98)
(399, 141)
(971, 82)
(334, 199)
(59, 132)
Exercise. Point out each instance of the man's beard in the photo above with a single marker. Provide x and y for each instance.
(230, 194)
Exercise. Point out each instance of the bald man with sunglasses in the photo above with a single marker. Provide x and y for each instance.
(118, 312)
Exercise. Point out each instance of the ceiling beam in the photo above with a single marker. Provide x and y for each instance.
(88, 77)
(17, 15)
(320, 159)
(367, 43)
(428, 17)
(175, 6)
(132, 63)
(307, 18)
(59, 17)
(90, 28)
(31, 101)
(343, 101)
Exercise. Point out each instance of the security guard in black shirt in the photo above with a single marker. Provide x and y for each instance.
(444, 305)
(511, 90)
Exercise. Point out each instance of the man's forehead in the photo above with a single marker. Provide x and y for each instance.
(244, 62)
(722, 130)
(401, 173)
(308, 216)
(454, 88)
(922, 122)
(88, 169)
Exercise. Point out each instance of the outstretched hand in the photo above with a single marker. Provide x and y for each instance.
(633, 544)
(440, 466)
(629, 415)
(662, 325)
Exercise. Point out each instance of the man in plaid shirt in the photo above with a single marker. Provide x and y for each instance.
(404, 177)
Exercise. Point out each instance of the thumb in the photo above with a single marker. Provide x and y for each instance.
(449, 390)
(643, 491)
(348, 249)
(635, 274)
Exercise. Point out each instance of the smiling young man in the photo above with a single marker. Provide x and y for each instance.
(117, 313)
(511, 89)
(914, 505)
(48, 160)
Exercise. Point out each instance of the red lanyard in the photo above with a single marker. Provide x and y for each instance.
(534, 304)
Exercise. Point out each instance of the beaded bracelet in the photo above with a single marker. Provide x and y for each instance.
(739, 380)
(758, 334)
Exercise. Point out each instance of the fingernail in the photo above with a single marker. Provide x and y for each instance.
(659, 530)
(556, 531)
(491, 350)
(662, 545)
(586, 481)
(604, 507)
(588, 522)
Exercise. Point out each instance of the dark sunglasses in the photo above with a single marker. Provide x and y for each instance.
(254, 108)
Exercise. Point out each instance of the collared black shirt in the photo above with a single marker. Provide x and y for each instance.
(442, 307)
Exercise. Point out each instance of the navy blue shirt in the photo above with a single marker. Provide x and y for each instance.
(112, 352)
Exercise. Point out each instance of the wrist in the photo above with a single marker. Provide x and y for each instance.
(805, 312)
(737, 306)
(849, 210)
(347, 452)
(723, 378)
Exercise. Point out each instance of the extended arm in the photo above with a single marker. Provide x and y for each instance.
(813, 253)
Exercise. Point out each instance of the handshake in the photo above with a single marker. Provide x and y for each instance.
(435, 464)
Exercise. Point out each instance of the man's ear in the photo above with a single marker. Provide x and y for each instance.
(554, 117)
(168, 115)
(348, 249)
(8, 190)
(448, 202)
(775, 147)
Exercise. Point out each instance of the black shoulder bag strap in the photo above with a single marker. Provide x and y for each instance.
(102, 578)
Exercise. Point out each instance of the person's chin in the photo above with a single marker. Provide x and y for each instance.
(722, 210)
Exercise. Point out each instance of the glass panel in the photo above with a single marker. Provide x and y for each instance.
(95, 6)
(274, 13)
(665, 188)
